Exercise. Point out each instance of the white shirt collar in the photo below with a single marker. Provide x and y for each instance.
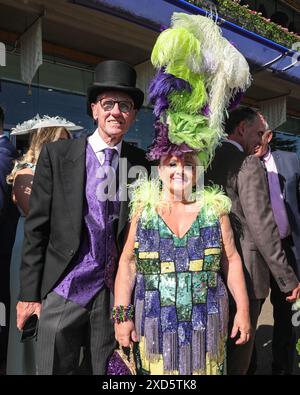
(267, 156)
(98, 144)
(238, 145)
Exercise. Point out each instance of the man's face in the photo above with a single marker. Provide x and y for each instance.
(252, 134)
(112, 122)
(263, 149)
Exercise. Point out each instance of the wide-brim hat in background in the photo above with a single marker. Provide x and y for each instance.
(44, 122)
(114, 75)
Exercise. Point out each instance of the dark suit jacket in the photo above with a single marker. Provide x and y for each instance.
(8, 212)
(256, 234)
(9, 215)
(288, 167)
(54, 224)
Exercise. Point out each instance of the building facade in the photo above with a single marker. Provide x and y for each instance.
(77, 35)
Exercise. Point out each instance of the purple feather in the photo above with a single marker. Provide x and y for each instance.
(160, 88)
(205, 110)
(161, 105)
(235, 100)
(163, 27)
(162, 146)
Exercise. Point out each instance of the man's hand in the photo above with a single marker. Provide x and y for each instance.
(25, 310)
(294, 294)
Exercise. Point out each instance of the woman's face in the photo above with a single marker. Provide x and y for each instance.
(178, 174)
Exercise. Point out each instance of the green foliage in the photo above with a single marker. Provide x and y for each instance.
(253, 21)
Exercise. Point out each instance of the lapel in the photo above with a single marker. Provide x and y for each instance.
(277, 160)
(73, 170)
(280, 169)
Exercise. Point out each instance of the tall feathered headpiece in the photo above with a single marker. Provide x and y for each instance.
(200, 74)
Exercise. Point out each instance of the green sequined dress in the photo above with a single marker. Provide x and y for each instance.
(181, 304)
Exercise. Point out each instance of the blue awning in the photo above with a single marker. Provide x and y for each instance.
(153, 14)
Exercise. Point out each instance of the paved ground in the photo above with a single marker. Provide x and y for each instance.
(264, 339)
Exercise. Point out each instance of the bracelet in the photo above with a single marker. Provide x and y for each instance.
(122, 313)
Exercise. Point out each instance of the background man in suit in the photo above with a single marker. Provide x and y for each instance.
(256, 235)
(283, 174)
(8, 223)
(73, 236)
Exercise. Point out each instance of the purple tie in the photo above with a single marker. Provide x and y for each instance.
(277, 202)
(109, 155)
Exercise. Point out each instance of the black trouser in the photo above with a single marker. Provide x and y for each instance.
(285, 359)
(282, 331)
(65, 327)
(5, 307)
(8, 224)
(284, 342)
(239, 356)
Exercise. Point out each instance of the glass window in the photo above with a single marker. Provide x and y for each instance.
(20, 106)
(286, 142)
(287, 136)
(141, 133)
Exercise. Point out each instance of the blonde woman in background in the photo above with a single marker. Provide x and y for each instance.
(21, 348)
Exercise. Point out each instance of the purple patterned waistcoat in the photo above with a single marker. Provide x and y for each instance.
(96, 262)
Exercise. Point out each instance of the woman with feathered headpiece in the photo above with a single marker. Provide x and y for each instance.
(180, 248)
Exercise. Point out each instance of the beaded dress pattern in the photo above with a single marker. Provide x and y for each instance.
(181, 304)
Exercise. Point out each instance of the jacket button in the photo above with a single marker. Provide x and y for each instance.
(71, 252)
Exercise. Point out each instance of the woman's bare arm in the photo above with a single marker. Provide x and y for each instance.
(234, 276)
(125, 280)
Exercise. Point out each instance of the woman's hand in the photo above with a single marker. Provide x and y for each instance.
(242, 325)
(125, 333)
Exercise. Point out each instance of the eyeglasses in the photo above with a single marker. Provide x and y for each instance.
(108, 104)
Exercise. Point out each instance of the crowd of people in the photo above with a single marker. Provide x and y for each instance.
(179, 271)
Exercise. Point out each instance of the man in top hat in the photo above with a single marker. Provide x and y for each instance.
(75, 227)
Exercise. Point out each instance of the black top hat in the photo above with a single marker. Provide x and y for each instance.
(114, 75)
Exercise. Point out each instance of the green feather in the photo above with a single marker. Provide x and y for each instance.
(189, 129)
(216, 203)
(145, 197)
(191, 103)
(175, 46)
(179, 101)
(193, 131)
